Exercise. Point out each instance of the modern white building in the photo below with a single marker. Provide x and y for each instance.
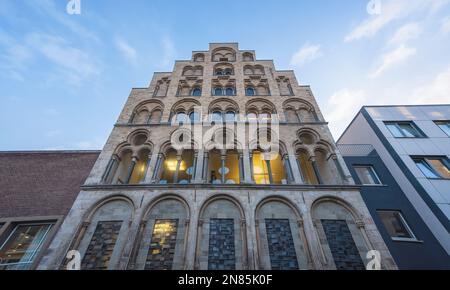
(414, 144)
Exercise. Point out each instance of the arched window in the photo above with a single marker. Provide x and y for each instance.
(250, 91)
(268, 168)
(229, 91)
(169, 167)
(194, 117)
(219, 72)
(155, 117)
(181, 118)
(228, 72)
(196, 92)
(291, 116)
(224, 170)
(266, 117)
(306, 168)
(230, 116)
(252, 117)
(217, 117)
(186, 168)
(218, 91)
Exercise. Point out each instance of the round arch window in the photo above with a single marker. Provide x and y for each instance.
(250, 91)
(217, 91)
(196, 92)
(229, 91)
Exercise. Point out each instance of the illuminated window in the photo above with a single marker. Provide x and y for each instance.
(271, 172)
(186, 170)
(169, 167)
(215, 176)
(396, 225)
(307, 169)
(226, 172)
(162, 246)
(434, 167)
(139, 169)
(21, 247)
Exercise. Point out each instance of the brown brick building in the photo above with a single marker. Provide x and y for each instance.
(37, 190)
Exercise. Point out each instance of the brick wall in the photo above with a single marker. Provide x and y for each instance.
(42, 183)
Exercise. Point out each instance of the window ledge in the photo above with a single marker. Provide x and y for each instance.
(407, 240)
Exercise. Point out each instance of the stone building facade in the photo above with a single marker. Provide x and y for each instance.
(148, 204)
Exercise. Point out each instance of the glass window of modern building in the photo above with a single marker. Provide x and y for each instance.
(396, 225)
(445, 126)
(22, 245)
(367, 175)
(434, 167)
(404, 130)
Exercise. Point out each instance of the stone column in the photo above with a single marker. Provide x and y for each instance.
(316, 169)
(134, 161)
(177, 171)
(241, 167)
(205, 167)
(223, 157)
(299, 116)
(269, 171)
(110, 169)
(194, 167)
(296, 169)
(152, 167)
(252, 174)
(338, 166)
(248, 168)
(287, 167)
(199, 167)
(159, 162)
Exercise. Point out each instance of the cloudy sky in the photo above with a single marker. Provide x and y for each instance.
(64, 78)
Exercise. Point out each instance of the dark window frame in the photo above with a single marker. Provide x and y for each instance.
(373, 173)
(413, 125)
(405, 224)
(423, 158)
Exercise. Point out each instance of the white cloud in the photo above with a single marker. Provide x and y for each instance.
(342, 106)
(392, 10)
(445, 25)
(437, 92)
(406, 32)
(395, 57)
(306, 54)
(127, 50)
(74, 64)
(13, 58)
(49, 9)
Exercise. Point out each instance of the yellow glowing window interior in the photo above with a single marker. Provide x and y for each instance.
(261, 172)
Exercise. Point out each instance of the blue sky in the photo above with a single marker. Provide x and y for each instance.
(64, 78)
